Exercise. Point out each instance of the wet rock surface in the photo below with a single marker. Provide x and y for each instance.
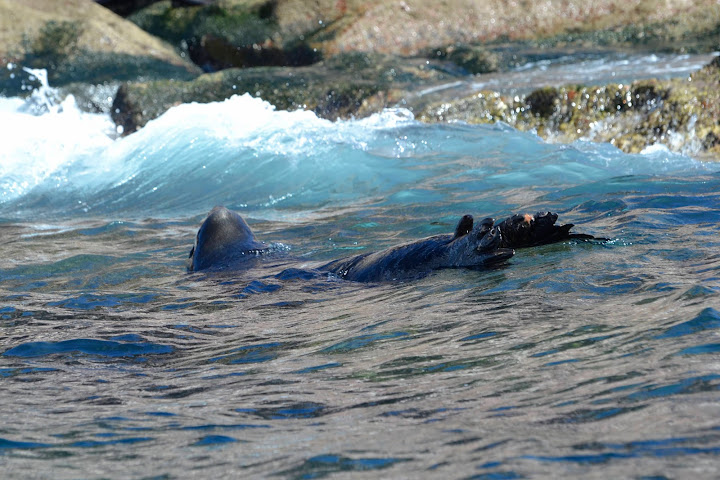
(681, 114)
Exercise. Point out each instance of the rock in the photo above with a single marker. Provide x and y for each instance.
(346, 85)
(543, 102)
(128, 7)
(80, 41)
(215, 53)
(474, 59)
(711, 141)
(682, 114)
(229, 34)
(191, 3)
(410, 27)
(241, 33)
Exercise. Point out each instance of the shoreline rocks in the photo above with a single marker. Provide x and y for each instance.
(683, 114)
(228, 34)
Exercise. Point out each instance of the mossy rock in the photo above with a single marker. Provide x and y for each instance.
(543, 102)
(683, 114)
(239, 22)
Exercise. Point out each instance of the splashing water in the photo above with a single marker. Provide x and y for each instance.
(43, 99)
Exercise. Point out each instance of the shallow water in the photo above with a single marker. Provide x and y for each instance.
(574, 359)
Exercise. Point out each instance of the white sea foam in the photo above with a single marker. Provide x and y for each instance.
(33, 147)
(241, 146)
(249, 122)
(244, 152)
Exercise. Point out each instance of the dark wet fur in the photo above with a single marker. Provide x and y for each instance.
(518, 232)
(224, 238)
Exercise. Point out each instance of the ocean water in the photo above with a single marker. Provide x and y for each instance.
(569, 360)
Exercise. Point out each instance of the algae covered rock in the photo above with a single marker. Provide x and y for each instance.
(543, 102)
(682, 114)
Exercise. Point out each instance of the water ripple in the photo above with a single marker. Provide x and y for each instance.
(88, 346)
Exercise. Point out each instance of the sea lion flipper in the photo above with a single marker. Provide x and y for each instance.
(587, 237)
(521, 231)
(464, 226)
(485, 225)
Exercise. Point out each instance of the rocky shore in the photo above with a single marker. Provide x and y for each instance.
(682, 114)
(346, 58)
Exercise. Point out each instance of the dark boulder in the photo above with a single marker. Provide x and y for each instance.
(214, 53)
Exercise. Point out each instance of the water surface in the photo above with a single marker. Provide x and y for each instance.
(570, 360)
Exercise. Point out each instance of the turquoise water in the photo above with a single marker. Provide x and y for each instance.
(570, 360)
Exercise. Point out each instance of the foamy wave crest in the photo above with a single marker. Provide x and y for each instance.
(243, 153)
(34, 147)
(240, 151)
(243, 121)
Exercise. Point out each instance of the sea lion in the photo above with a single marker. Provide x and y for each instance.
(225, 238)
(468, 247)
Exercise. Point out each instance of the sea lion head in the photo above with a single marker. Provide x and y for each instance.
(223, 238)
